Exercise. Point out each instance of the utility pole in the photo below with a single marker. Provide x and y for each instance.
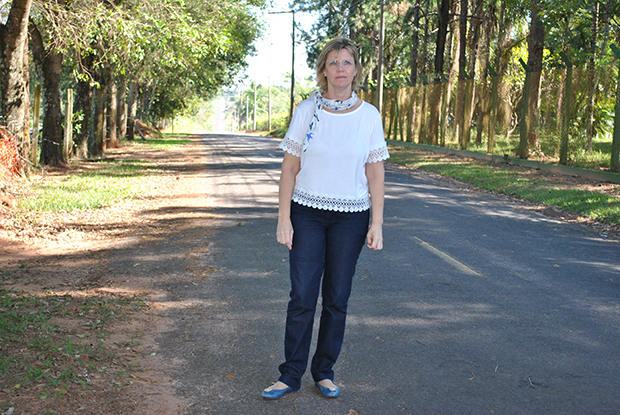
(290, 113)
(380, 64)
(254, 115)
(269, 107)
(247, 113)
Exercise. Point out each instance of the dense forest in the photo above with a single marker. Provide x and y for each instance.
(488, 74)
(122, 59)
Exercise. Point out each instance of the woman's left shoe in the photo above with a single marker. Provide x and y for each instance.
(329, 392)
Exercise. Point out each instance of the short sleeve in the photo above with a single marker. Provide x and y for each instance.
(378, 147)
(294, 139)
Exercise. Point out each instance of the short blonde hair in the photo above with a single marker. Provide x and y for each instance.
(338, 44)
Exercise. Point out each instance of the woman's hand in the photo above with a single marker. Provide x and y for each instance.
(374, 237)
(285, 233)
(290, 167)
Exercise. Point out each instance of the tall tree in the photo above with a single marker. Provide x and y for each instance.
(536, 41)
(489, 26)
(14, 103)
(592, 77)
(461, 89)
(471, 90)
(48, 61)
(443, 19)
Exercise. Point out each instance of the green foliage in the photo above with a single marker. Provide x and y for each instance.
(522, 183)
(92, 189)
(178, 51)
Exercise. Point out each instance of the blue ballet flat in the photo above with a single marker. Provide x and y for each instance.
(327, 392)
(274, 394)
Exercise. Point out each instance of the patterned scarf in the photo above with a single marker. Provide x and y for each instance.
(331, 104)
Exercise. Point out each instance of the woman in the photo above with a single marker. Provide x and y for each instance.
(332, 170)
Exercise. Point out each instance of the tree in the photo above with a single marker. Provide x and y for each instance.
(14, 103)
(48, 61)
(592, 77)
(460, 99)
(443, 19)
(536, 42)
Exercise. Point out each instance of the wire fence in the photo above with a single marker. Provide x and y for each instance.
(10, 160)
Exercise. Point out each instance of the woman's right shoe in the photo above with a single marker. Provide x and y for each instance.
(273, 394)
(332, 392)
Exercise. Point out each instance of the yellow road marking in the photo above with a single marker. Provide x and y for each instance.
(456, 264)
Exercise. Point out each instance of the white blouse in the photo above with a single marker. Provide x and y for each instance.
(333, 172)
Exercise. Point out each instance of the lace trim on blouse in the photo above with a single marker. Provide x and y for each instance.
(378, 154)
(291, 146)
(331, 203)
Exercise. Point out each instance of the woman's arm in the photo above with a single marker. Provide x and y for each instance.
(290, 167)
(375, 173)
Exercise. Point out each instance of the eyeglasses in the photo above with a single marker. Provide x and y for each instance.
(336, 64)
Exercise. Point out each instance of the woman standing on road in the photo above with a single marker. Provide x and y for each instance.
(332, 170)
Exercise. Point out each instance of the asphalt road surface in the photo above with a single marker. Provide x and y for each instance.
(476, 305)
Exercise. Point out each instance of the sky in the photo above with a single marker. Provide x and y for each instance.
(273, 57)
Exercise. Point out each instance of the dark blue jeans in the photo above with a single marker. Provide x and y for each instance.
(326, 245)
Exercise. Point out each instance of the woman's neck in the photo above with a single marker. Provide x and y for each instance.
(340, 95)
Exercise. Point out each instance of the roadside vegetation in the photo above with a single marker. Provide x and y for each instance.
(593, 201)
(108, 181)
(55, 359)
(59, 343)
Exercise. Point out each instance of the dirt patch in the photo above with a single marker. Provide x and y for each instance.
(109, 311)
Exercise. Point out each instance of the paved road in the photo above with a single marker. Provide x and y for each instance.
(476, 305)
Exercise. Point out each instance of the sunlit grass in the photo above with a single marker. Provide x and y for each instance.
(521, 183)
(111, 181)
(597, 159)
(166, 141)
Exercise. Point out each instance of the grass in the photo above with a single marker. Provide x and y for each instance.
(111, 182)
(523, 183)
(598, 159)
(34, 351)
(166, 141)
(102, 184)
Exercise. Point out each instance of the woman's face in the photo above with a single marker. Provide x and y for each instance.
(339, 69)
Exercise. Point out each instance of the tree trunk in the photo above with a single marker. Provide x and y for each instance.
(412, 114)
(592, 78)
(460, 96)
(14, 103)
(415, 43)
(84, 105)
(536, 42)
(49, 67)
(96, 143)
(471, 84)
(436, 88)
(26, 144)
(112, 115)
(453, 53)
(425, 38)
(442, 34)
(121, 99)
(132, 105)
(484, 60)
